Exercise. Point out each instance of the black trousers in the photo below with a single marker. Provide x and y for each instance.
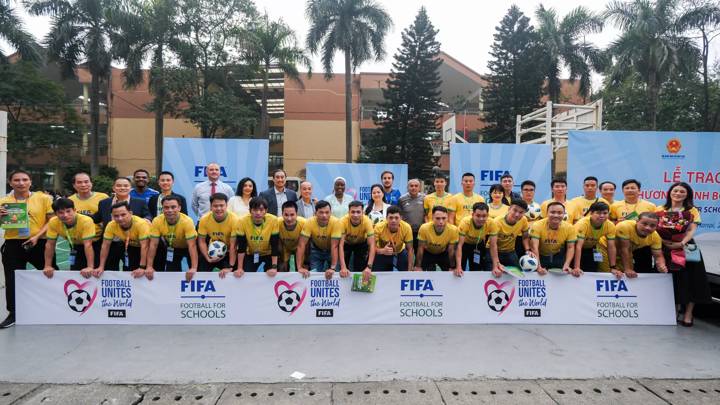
(587, 261)
(250, 266)
(359, 254)
(116, 257)
(160, 262)
(643, 260)
(15, 257)
(468, 256)
(429, 261)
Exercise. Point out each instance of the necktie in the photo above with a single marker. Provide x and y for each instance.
(212, 189)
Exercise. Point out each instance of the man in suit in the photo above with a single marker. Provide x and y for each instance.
(278, 194)
(165, 182)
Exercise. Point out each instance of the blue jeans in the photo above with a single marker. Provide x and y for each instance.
(505, 258)
(320, 260)
(385, 263)
(555, 261)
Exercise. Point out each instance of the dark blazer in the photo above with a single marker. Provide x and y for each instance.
(152, 205)
(269, 196)
(137, 206)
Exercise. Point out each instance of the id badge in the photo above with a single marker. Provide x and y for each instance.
(126, 262)
(256, 258)
(23, 232)
(394, 261)
(476, 257)
(597, 256)
(170, 254)
(71, 257)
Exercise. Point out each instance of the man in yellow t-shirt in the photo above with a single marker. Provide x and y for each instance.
(464, 201)
(173, 238)
(437, 243)
(471, 252)
(289, 228)
(513, 225)
(553, 240)
(26, 244)
(590, 230)
(133, 233)
(393, 243)
(87, 202)
(439, 198)
(258, 239)
(357, 241)
(323, 232)
(632, 237)
(590, 189)
(217, 225)
(559, 194)
(78, 230)
(632, 205)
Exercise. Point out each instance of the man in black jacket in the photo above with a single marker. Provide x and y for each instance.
(165, 183)
(278, 194)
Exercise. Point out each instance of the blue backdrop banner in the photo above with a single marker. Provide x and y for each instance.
(489, 161)
(238, 158)
(360, 177)
(656, 159)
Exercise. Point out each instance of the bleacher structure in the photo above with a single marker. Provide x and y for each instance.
(550, 124)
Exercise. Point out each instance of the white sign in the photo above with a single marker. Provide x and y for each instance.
(399, 298)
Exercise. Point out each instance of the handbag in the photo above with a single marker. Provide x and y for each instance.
(692, 253)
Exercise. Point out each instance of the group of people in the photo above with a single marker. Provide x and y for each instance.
(144, 230)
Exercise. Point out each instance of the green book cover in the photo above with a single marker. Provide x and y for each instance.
(359, 286)
(16, 217)
(514, 271)
(556, 270)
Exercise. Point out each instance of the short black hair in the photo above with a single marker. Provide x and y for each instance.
(520, 203)
(79, 173)
(218, 196)
(141, 171)
(608, 182)
(496, 187)
(387, 171)
(62, 204)
(440, 176)
(19, 171)
(439, 208)
(506, 175)
(468, 174)
(276, 171)
(121, 178)
(120, 204)
(257, 202)
(554, 203)
(355, 203)
(481, 206)
(649, 214)
(393, 209)
(171, 197)
(528, 183)
(172, 176)
(598, 206)
(558, 180)
(288, 204)
(321, 204)
(590, 178)
(630, 181)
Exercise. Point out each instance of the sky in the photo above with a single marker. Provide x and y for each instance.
(466, 27)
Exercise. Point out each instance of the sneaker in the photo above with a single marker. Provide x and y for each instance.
(8, 322)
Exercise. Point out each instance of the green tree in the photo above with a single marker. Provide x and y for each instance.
(272, 45)
(357, 28)
(564, 44)
(651, 44)
(79, 32)
(12, 31)
(148, 29)
(515, 84)
(411, 102)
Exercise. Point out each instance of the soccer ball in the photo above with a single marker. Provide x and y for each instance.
(288, 300)
(217, 250)
(528, 263)
(533, 211)
(79, 300)
(498, 300)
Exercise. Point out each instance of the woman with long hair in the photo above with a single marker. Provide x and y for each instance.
(377, 205)
(240, 202)
(497, 208)
(679, 220)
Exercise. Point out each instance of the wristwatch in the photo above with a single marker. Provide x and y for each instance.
(273, 266)
(142, 266)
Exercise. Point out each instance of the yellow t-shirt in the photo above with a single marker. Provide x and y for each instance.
(222, 231)
(552, 241)
(432, 200)
(591, 235)
(620, 210)
(474, 235)
(403, 236)
(507, 233)
(84, 229)
(176, 235)
(258, 236)
(89, 206)
(496, 213)
(582, 204)
(625, 230)
(463, 205)
(139, 231)
(289, 239)
(356, 234)
(437, 243)
(321, 236)
(39, 206)
(572, 214)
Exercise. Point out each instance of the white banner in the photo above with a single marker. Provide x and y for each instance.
(399, 298)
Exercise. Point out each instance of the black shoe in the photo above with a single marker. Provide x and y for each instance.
(8, 322)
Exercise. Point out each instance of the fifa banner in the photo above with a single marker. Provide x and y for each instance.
(359, 178)
(398, 298)
(489, 161)
(656, 159)
(187, 158)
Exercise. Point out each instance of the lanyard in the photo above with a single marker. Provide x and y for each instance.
(127, 234)
(392, 242)
(596, 233)
(477, 241)
(67, 232)
(257, 236)
(170, 237)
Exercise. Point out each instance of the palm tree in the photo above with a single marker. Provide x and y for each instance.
(357, 28)
(564, 45)
(148, 28)
(272, 45)
(652, 44)
(12, 31)
(79, 31)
